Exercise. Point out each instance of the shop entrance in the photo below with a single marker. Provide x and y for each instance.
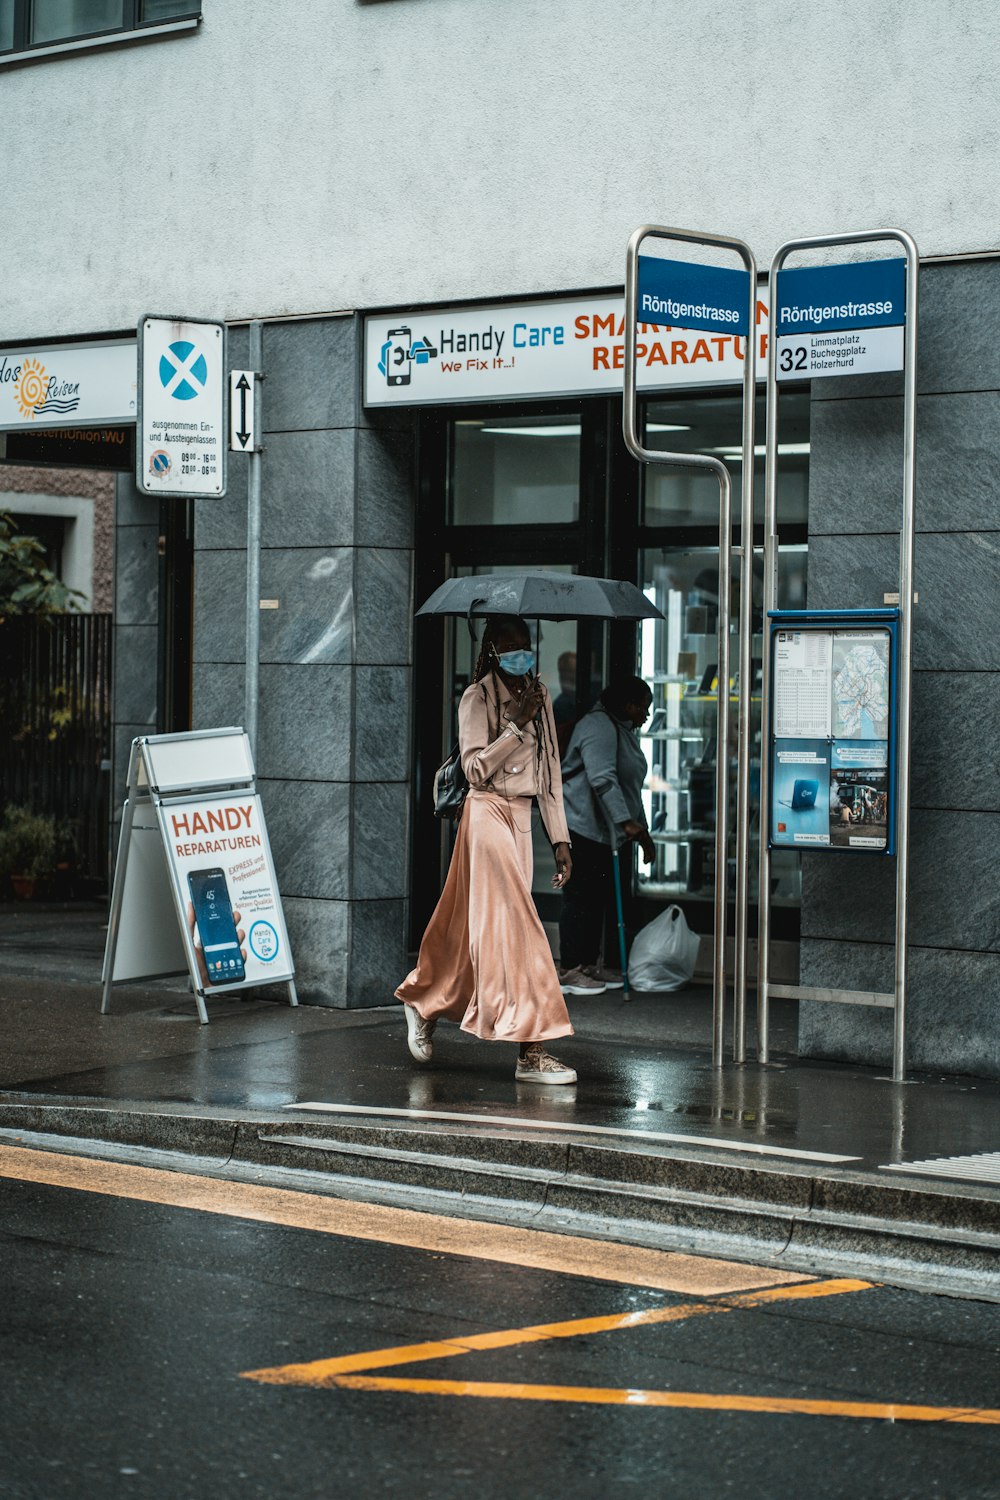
(501, 491)
(552, 486)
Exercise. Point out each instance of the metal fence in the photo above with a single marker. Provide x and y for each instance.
(55, 729)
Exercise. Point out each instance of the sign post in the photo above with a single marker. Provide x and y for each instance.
(844, 320)
(195, 887)
(685, 295)
(181, 447)
(246, 387)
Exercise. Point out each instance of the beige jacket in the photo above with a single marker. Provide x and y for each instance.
(505, 764)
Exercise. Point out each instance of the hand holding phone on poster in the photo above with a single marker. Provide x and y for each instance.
(216, 935)
(199, 951)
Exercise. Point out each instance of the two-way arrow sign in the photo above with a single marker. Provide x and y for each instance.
(242, 430)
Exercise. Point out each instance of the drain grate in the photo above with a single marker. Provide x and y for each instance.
(984, 1167)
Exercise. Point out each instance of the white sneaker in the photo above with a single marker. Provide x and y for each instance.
(578, 982)
(418, 1035)
(539, 1066)
(609, 981)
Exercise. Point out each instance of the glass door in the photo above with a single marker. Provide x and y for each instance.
(501, 492)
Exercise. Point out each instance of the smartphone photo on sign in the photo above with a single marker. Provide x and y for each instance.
(213, 914)
(397, 359)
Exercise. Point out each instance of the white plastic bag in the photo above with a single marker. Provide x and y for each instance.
(664, 953)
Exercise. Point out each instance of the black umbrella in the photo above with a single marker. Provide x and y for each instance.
(541, 596)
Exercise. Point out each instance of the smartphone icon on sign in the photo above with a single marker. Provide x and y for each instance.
(397, 356)
(213, 914)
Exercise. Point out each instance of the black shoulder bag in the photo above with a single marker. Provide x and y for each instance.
(451, 786)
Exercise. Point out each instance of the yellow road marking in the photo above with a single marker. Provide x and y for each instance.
(341, 1373)
(600, 1260)
(325, 1372)
(689, 1400)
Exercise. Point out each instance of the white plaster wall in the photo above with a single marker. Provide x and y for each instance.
(293, 157)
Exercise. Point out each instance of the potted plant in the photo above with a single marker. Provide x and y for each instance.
(28, 850)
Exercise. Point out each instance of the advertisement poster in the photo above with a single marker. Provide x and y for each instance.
(831, 728)
(801, 792)
(859, 794)
(220, 862)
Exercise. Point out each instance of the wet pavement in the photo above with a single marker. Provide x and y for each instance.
(644, 1067)
(808, 1166)
(133, 1335)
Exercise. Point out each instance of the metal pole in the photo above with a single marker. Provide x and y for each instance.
(906, 550)
(746, 681)
(770, 601)
(630, 431)
(117, 897)
(252, 690)
(722, 767)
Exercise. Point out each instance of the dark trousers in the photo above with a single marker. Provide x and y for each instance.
(587, 902)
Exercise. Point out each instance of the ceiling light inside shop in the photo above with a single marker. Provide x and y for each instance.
(569, 430)
(760, 450)
(572, 430)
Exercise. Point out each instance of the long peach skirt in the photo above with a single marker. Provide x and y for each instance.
(485, 960)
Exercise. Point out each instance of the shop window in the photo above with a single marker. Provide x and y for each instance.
(514, 471)
(27, 24)
(679, 660)
(713, 424)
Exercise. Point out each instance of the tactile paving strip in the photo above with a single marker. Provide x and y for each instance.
(984, 1167)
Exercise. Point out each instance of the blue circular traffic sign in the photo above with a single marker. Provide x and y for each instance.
(183, 371)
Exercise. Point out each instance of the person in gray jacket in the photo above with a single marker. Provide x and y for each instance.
(603, 772)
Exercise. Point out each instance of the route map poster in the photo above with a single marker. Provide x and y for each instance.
(831, 719)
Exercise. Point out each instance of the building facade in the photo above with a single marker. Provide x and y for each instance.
(411, 163)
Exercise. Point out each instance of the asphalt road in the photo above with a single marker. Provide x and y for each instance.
(274, 1343)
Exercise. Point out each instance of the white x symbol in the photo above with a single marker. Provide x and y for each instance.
(182, 370)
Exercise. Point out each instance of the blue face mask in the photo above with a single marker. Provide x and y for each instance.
(517, 663)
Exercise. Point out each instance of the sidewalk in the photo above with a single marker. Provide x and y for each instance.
(646, 1086)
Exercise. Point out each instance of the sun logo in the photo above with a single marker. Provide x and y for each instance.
(30, 389)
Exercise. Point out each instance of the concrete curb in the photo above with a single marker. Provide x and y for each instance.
(939, 1237)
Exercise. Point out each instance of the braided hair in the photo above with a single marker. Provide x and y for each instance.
(486, 666)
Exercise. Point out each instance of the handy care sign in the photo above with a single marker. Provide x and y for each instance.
(840, 320)
(569, 347)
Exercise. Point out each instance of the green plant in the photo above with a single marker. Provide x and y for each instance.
(27, 586)
(29, 843)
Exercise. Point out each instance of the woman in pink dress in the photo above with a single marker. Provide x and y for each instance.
(484, 960)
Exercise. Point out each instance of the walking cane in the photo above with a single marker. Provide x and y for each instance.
(616, 864)
(619, 909)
